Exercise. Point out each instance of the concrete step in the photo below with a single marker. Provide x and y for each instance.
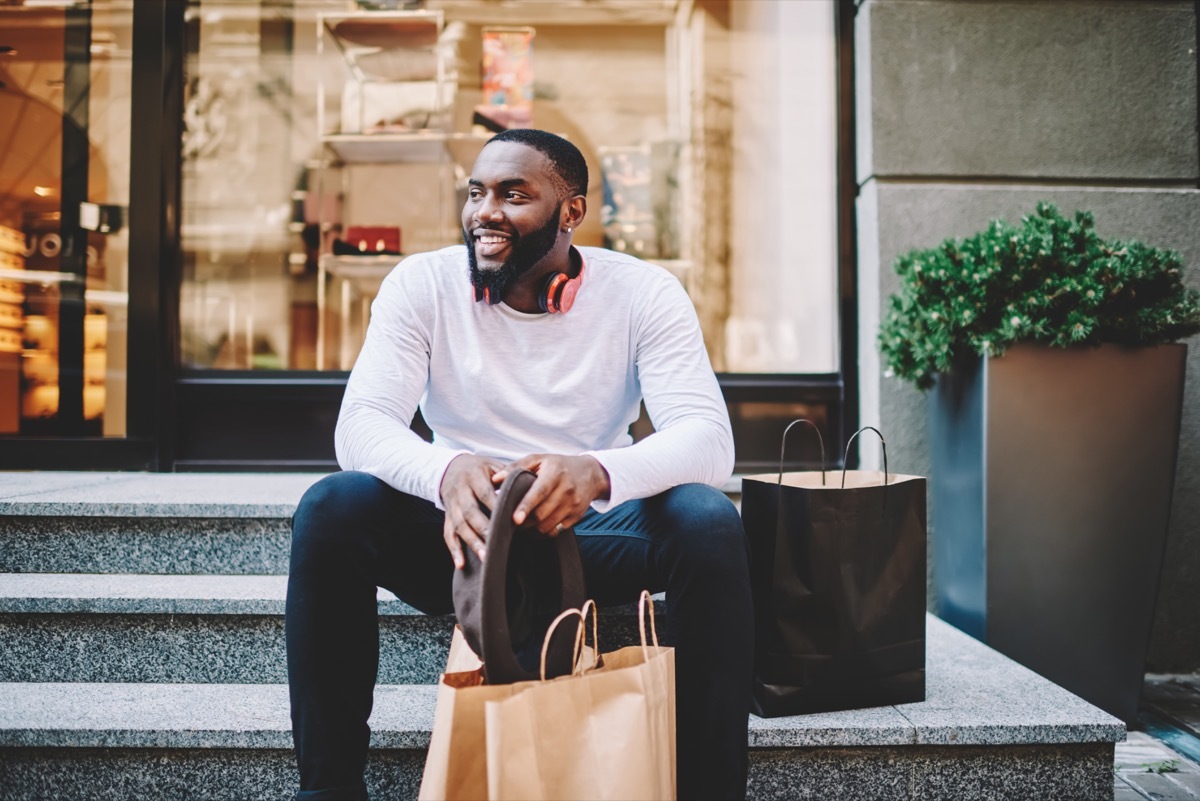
(989, 729)
(147, 523)
(170, 523)
(196, 629)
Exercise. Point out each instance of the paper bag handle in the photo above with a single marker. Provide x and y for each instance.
(644, 602)
(589, 606)
(882, 445)
(563, 615)
(783, 445)
(580, 635)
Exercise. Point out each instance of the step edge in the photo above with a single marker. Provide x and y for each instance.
(396, 732)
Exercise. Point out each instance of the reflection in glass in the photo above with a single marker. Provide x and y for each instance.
(325, 142)
(65, 78)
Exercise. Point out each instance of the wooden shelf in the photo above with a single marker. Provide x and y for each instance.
(417, 146)
(561, 12)
(364, 273)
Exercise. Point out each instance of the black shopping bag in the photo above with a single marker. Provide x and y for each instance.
(838, 575)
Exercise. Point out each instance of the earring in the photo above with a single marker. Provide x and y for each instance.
(569, 229)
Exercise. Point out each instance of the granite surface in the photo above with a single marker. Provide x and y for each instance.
(857, 727)
(243, 545)
(153, 494)
(222, 774)
(38, 774)
(825, 774)
(1074, 772)
(88, 715)
(155, 594)
(236, 649)
(976, 696)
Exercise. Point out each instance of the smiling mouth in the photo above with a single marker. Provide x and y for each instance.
(490, 244)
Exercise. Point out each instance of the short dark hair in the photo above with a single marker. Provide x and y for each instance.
(568, 162)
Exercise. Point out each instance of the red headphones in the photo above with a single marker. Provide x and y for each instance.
(557, 295)
(559, 291)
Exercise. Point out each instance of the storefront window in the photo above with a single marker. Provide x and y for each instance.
(326, 140)
(65, 78)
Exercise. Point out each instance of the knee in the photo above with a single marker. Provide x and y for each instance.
(337, 503)
(706, 528)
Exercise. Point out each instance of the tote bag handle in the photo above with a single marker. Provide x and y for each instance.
(882, 445)
(783, 445)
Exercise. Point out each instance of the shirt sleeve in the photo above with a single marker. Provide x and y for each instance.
(693, 440)
(373, 431)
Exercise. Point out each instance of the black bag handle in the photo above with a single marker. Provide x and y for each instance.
(820, 439)
(882, 445)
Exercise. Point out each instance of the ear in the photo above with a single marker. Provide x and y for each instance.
(574, 210)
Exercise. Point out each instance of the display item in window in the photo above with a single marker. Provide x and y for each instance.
(369, 240)
(507, 79)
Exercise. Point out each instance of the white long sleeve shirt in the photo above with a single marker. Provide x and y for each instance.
(493, 381)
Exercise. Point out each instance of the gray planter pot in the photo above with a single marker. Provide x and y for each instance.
(1051, 481)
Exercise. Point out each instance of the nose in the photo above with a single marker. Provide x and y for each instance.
(488, 210)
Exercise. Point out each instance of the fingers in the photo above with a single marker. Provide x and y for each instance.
(550, 502)
(541, 488)
(481, 484)
(465, 524)
(530, 463)
(468, 496)
(564, 488)
(453, 544)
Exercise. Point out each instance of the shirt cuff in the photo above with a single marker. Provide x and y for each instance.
(616, 487)
(440, 466)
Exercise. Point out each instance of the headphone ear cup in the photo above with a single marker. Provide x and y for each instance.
(550, 298)
(567, 295)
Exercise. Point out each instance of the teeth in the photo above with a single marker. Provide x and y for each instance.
(492, 240)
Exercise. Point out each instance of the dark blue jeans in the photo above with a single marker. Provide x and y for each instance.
(353, 533)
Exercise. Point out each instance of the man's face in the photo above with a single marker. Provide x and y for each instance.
(511, 217)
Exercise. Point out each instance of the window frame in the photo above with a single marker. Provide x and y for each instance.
(231, 420)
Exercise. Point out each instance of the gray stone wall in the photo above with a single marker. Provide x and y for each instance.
(969, 111)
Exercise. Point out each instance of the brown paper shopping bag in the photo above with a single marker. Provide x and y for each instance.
(455, 765)
(605, 732)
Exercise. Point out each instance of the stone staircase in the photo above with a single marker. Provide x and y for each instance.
(141, 634)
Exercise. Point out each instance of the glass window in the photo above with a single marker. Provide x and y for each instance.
(326, 140)
(65, 80)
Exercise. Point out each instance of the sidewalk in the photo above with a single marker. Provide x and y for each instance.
(1137, 766)
(1160, 764)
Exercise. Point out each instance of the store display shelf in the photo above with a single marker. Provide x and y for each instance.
(427, 146)
(563, 12)
(364, 266)
(41, 277)
(363, 273)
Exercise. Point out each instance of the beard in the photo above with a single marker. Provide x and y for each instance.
(527, 251)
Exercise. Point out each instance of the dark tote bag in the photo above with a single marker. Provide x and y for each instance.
(838, 574)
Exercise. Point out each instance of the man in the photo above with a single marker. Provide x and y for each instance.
(524, 351)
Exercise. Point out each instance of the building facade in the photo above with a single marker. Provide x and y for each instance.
(203, 196)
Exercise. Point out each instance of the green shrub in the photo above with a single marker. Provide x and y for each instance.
(1050, 280)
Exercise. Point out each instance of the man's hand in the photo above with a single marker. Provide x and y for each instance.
(468, 482)
(565, 487)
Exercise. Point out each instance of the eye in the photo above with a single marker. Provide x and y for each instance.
(514, 196)
(475, 193)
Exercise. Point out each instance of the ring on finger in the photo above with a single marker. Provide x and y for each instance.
(559, 529)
